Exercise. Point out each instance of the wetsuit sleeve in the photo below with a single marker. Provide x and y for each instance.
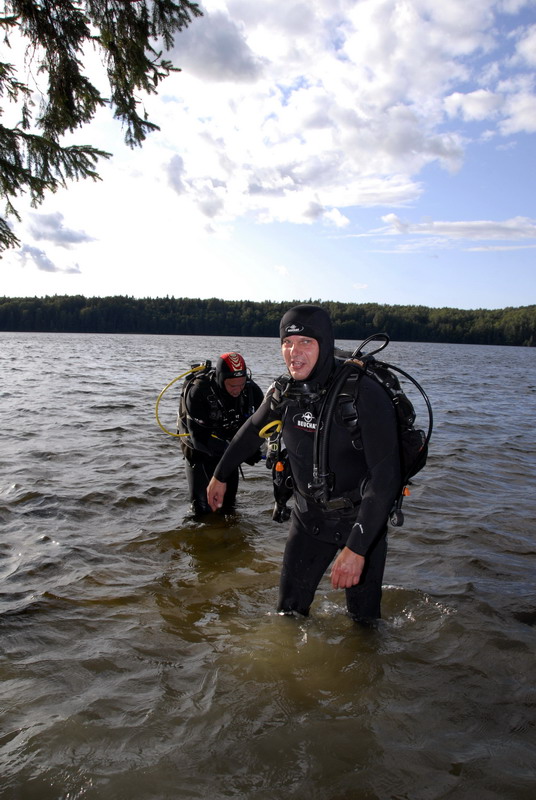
(379, 434)
(246, 441)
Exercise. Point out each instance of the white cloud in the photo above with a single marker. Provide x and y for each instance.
(38, 257)
(297, 112)
(303, 113)
(526, 48)
(43, 263)
(521, 111)
(336, 218)
(50, 227)
(175, 172)
(329, 106)
(513, 6)
(517, 228)
(478, 105)
(216, 50)
(499, 248)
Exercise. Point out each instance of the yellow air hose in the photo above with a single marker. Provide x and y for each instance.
(170, 384)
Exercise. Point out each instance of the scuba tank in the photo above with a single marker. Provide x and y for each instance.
(189, 374)
(413, 442)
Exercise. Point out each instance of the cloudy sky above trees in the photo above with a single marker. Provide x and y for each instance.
(352, 150)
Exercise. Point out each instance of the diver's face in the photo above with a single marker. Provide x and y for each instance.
(234, 385)
(300, 354)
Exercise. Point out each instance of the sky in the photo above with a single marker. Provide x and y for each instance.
(361, 151)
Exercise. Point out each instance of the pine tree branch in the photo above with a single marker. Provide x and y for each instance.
(57, 32)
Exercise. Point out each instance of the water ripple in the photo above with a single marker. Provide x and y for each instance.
(141, 654)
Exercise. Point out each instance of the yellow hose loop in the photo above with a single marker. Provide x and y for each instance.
(272, 427)
(184, 374)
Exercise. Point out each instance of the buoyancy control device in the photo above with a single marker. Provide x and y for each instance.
(413, 441)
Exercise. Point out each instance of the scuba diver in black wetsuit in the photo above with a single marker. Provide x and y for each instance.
(214, 404)
(364, 472)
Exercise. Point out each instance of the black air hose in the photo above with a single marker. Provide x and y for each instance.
(321, 476)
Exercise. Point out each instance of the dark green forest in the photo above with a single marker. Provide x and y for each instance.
(172, 316)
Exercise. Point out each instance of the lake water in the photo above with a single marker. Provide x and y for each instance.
(141, 655)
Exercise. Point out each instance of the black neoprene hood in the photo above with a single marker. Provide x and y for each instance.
(315, 323)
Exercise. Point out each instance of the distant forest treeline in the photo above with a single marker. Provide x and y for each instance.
(508, 326)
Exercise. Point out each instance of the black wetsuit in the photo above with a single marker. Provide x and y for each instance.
(365, 468)
(213, 418)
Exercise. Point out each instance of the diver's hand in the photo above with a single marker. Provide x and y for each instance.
(215, 493)
(346, 570)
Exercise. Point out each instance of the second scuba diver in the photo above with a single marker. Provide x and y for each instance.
(351, 530)
(214, 404)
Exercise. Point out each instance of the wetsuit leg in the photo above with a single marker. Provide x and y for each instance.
(198, 473)
(304, 563)
(364, 600)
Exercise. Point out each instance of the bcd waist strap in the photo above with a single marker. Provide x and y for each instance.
(346, 501)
